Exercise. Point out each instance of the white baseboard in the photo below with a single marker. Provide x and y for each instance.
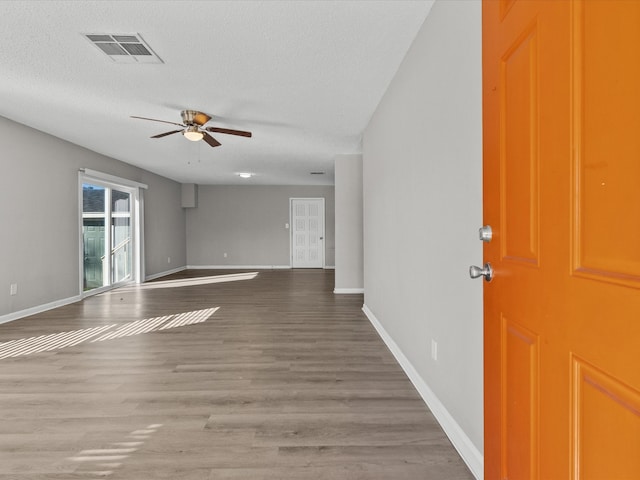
(347, 291)
(329, 267)
(163, 274)
(9, 317)
(465, 447)
(237, 267)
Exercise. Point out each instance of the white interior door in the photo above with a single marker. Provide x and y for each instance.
(307, 232)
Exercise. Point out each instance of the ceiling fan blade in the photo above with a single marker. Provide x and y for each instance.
(156, 120)
(210, 140)
(228, 131)
(160, 135)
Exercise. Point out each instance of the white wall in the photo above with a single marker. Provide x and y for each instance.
(248, 224)
(422, 208)
(39, 246)
(349, 242)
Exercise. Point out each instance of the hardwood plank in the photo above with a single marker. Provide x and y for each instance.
(284, 380)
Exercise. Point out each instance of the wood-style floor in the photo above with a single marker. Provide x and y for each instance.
(285, 380)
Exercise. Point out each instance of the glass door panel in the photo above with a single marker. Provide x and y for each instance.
(93, 236)
(121, 247)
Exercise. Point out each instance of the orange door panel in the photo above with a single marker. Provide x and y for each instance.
(562, 193)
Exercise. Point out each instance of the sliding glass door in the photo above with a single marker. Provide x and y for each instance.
(107, 235)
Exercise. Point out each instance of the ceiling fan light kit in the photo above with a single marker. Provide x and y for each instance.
(192, 133)
(193, 128)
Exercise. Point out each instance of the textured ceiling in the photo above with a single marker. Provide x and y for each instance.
(303, 76)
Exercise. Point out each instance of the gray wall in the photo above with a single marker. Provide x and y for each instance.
(39, 247)
(248, 224)
(349, 242)
(422, 208)
(164, 225)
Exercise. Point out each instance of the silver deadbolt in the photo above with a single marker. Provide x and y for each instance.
(485, 233)
(486, 271)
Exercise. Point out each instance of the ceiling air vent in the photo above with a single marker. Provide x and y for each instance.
(124, 48)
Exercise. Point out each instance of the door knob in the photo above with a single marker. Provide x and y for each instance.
(485, 271)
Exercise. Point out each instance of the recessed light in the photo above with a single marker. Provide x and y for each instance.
(245, 174)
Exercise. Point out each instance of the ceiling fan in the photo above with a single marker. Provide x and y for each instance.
(193, 128)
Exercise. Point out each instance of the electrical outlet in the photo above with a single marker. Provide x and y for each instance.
(434, 350)
(224, 254)
(168, 259)
(13, 289)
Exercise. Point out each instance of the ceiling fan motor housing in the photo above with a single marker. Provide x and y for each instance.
(193, 117)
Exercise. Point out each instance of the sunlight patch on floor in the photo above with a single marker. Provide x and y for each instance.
(135, 328)
(103, 462)
(45, 343)
(189, 318)
(188, 282)
(56, 341)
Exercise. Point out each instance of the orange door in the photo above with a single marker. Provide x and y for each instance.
(561, 97)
